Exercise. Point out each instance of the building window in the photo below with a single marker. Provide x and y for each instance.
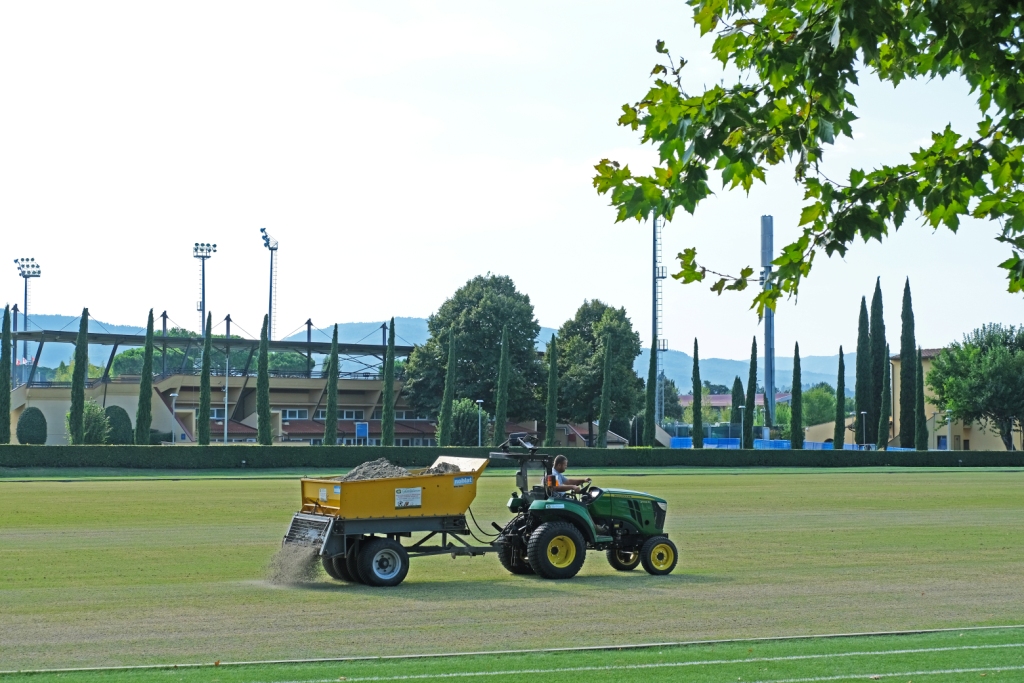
(940, 443)
(378, 415)
(350, 414)
(216, 413)
(316, 442)
(403, 442)
(967, 444)
(295, 414)
(408, 415)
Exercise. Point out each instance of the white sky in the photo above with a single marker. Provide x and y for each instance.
(398, 149)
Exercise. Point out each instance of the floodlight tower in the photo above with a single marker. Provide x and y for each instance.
(28, 269)
(767, 238)
(271, 244)
(660, 272)
(203, 251)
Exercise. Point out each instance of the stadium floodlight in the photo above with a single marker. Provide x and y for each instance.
(28, 268)
(203, 251)
(271, 244)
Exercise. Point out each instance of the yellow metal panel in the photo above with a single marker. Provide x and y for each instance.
(419, 495)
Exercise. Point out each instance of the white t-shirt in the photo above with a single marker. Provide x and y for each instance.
(559, 481)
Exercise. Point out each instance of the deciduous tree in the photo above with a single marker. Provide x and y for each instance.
(501, 399)
(606, 395)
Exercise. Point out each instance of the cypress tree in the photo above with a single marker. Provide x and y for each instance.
(879, 359)
(444, 422)
(387, 413)
(502, 397)
(885, 408)
(796, 419)
(698, 399)
(203, 418)
(748, 412)
(606, 396)
(920, 421)
(331, 390)
(908, 373)
(6, 355)
(737, 401)
(264, 430)
(551, 414)
(839, 435)
(144, 412)
(652, 396)
(76, 416)
(862, 389)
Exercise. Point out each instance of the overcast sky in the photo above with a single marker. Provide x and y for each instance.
(397, 149)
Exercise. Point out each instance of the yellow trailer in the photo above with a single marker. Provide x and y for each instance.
(356, 527)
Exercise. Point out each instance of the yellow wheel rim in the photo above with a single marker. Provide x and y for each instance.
(561, 551)
(662, 556)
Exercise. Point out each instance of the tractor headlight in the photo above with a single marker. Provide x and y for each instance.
(663, 506)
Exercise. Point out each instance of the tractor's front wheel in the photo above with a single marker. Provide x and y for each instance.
(512, 559)
(659, 555)
(624, 560)
(556, 550)
(383, 562)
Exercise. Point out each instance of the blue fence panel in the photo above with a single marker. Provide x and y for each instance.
(817, 446)
(771, 444)
(858, 447)
(681, 442)
(897, 448)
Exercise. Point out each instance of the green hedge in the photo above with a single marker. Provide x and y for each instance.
(344, 457)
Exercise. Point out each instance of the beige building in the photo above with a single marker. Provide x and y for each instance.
(942, 435)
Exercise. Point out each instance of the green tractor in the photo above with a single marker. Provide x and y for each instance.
(550, 535)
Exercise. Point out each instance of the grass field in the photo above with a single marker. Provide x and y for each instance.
(104, 571)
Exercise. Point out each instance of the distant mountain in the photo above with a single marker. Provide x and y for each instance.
(413, 331)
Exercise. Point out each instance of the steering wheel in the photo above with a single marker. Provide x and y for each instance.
(584, 488)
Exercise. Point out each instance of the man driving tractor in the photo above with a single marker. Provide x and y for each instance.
(558, 483)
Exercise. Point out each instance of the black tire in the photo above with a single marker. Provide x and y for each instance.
(556, 550)
(382, 562)
(659, 555)
(513, 559)
(336, 568)
(351, 557)
(623, 560)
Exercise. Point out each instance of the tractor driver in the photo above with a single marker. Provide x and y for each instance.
(558, 483)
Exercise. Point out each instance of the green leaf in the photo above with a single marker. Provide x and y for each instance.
(660, 47)
(810, 213)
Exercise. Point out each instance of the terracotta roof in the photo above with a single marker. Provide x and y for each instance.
(925, 353)
(235, 428)
(315, 428)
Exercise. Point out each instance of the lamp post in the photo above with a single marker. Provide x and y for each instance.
(479, 422)
(174, 417)
(863, 428)
(270, 243)
(27, 269)
(949, 430)
(741, 409)
(203, 251)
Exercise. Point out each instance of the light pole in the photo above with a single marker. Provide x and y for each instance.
(27, 268)
(741, 408)
(203, 251)
(479, 422)
(863, 428)
(270, 243)
(174, 417)
(949, 430)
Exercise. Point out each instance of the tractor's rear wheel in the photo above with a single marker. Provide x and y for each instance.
(350, 562)
(513, 559)
(556, 550)
(383, 562)
(659, 555)
(336, 568)
(624, 560)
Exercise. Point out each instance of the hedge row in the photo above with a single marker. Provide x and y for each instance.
(344, 457)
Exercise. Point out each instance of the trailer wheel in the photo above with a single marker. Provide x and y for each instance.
(557, 550)
(383, 562)
(351, 562)
(659, 555)
(336, 568)
(624, 560)
(513, 560)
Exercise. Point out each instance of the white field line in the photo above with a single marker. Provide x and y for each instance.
(486, 653)
(706, 662)
(857, 677)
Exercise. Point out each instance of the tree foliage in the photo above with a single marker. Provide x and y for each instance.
(121, 432)
(6, 358)
(31, 428)
(737, 401)
(748, 411)
(551, 409)
(95, 426)
(908, 370)
(477, 313)
(387, 413)
(144, 411)
(839, 433)
(920, 420)
(798, 62)
(698, 395)
(75, 422)
(981, 379)
(465, 423)
(862, 388)
(885, 408)
(879, 361)
(264, 430)
(203, 415)
(796, 405)
(818, 405)
(651, 397)
(331, 392)
(444, 420)
(581, 363)
(501, 391)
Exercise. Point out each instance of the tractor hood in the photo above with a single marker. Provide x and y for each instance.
(637, 495)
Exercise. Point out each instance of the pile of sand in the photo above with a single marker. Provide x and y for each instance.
(294, 564)
(442, 468)
(376, 469)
